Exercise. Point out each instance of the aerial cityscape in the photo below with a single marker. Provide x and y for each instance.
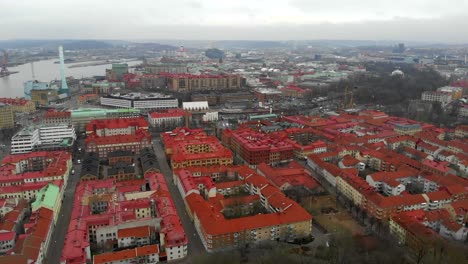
(243, 150)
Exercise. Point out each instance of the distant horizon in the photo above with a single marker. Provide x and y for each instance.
(383, 42)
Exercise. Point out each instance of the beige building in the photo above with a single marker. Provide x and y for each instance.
(7, 119)
(43, 97)
(19, 105)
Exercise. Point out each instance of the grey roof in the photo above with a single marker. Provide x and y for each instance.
(90, 164)
(120, 167)
(120, 153)
(148, 159)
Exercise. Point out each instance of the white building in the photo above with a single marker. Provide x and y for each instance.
(210, 116)
(140, 101)
(455, 92)
(443, 98)
(195, 106)
(7, 241)
(44, 136)
(168, 118)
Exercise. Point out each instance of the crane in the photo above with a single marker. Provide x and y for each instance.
(350, 103)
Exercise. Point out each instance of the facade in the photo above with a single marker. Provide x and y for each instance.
(121, 156)
(195, 106)
(170, 118)
(139, 101)
(19, 105)
(191, 82)
(116, 126)
(44, 97)
(106, 144)
(443, 98)
(43, 137)
(407, 129)
(150, 81)
(166, 68)
(56, 118)
(7, 120)
(267, 95)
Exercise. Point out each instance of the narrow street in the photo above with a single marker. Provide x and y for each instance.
(195, 246)
(54, 251)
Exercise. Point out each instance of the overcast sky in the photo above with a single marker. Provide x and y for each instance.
(420, 20)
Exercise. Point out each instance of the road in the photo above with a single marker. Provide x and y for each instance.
(195, 246)
(58, 236)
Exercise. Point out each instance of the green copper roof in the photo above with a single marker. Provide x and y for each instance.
(94, 112)
(46, 197)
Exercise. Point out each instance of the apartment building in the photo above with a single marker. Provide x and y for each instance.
(19, 105)
(107, 212)
(43, 137)
(7, 119)
(184, 82)
(284, 219)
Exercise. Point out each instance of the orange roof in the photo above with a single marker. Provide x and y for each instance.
(126, 254)
(139, 231)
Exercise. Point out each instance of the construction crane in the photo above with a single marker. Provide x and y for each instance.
(350, 103)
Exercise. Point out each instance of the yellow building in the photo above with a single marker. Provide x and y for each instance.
(7, 119)
(352, 187)
(407, 129)
(43, 97)
(19, 105)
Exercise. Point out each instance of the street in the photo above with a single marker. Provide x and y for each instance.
(54, 251)
(195, 246)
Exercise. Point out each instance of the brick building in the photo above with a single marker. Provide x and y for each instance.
(190, 82)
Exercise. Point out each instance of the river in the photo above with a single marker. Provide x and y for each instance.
(45, 71)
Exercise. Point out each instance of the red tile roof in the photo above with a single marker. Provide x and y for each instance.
(117, 123)
(139, 232)
(127, 254)
(14, 101)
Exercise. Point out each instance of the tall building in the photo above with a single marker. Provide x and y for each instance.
(43, 137)
(117, 71)
(7, 119)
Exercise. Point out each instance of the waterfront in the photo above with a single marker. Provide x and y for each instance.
(45, 71)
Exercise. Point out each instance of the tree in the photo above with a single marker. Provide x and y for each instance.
(214, 53)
